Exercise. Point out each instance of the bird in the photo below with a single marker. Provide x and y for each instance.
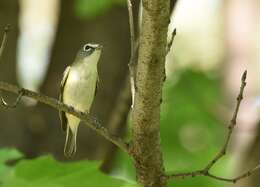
(78, 89)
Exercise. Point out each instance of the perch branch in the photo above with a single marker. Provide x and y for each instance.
(223, 150)
(89, 120)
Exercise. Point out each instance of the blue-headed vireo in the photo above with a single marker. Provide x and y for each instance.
(78, 88)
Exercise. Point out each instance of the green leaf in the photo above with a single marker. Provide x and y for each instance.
(124, 167)
(47, 172)
(9, 154)
(6, 155)
(93, 8)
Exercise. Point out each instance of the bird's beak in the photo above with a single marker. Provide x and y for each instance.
(99, 47)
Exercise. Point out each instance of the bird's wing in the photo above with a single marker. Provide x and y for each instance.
(97, 85)
(61, 113)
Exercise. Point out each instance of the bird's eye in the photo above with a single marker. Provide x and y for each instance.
(87, 48)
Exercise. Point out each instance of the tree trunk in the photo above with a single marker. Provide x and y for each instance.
(149, 81)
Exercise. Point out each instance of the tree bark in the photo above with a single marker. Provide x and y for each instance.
(149, 81)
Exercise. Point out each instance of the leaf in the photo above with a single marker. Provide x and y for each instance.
(6, 155)
(47, 172)
(9, 154)
(123, 167)
(93, 8)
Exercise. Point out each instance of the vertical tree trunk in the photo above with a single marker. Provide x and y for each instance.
(149, 81)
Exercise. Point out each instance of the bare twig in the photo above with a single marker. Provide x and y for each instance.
(4, 40)
(2, 47)
(222, 152)
(131, 64)
(231, 126)
(169, 45)
(235, 179)
(168, 48)
(13, 105)
(121, 108)
(185, 175)
(207, 174)
(131, 25)
(89, 120)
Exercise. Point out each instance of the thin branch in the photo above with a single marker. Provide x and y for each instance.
(4, 40)
(231, 126)
(131, 25)
(207, 174)
(169, 45)
(185, 175)
(13, 105)
(2, 47)
(235, 179)
(168, 49)
(223, 150)
(131, 64)
(121, 108)
(89, 120)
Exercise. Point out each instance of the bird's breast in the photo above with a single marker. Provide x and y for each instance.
(79, 90)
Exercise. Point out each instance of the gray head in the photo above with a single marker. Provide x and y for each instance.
(89, 50)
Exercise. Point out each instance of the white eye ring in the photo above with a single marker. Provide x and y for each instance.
(87, 48)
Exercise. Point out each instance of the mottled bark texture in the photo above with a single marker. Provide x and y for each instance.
(149, 81)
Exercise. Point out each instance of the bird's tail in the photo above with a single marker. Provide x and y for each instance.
(70, 143)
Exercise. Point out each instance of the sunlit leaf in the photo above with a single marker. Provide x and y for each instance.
(47, 172)
(6, 155)
(93, 8)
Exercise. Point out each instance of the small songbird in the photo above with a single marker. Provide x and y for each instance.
(77, 89)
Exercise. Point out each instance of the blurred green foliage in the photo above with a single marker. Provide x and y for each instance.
(47, 172)
(5, 155)
(191, 132)
(92, 8)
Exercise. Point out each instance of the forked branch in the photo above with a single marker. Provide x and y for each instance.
(89, 120)
(223, 150)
